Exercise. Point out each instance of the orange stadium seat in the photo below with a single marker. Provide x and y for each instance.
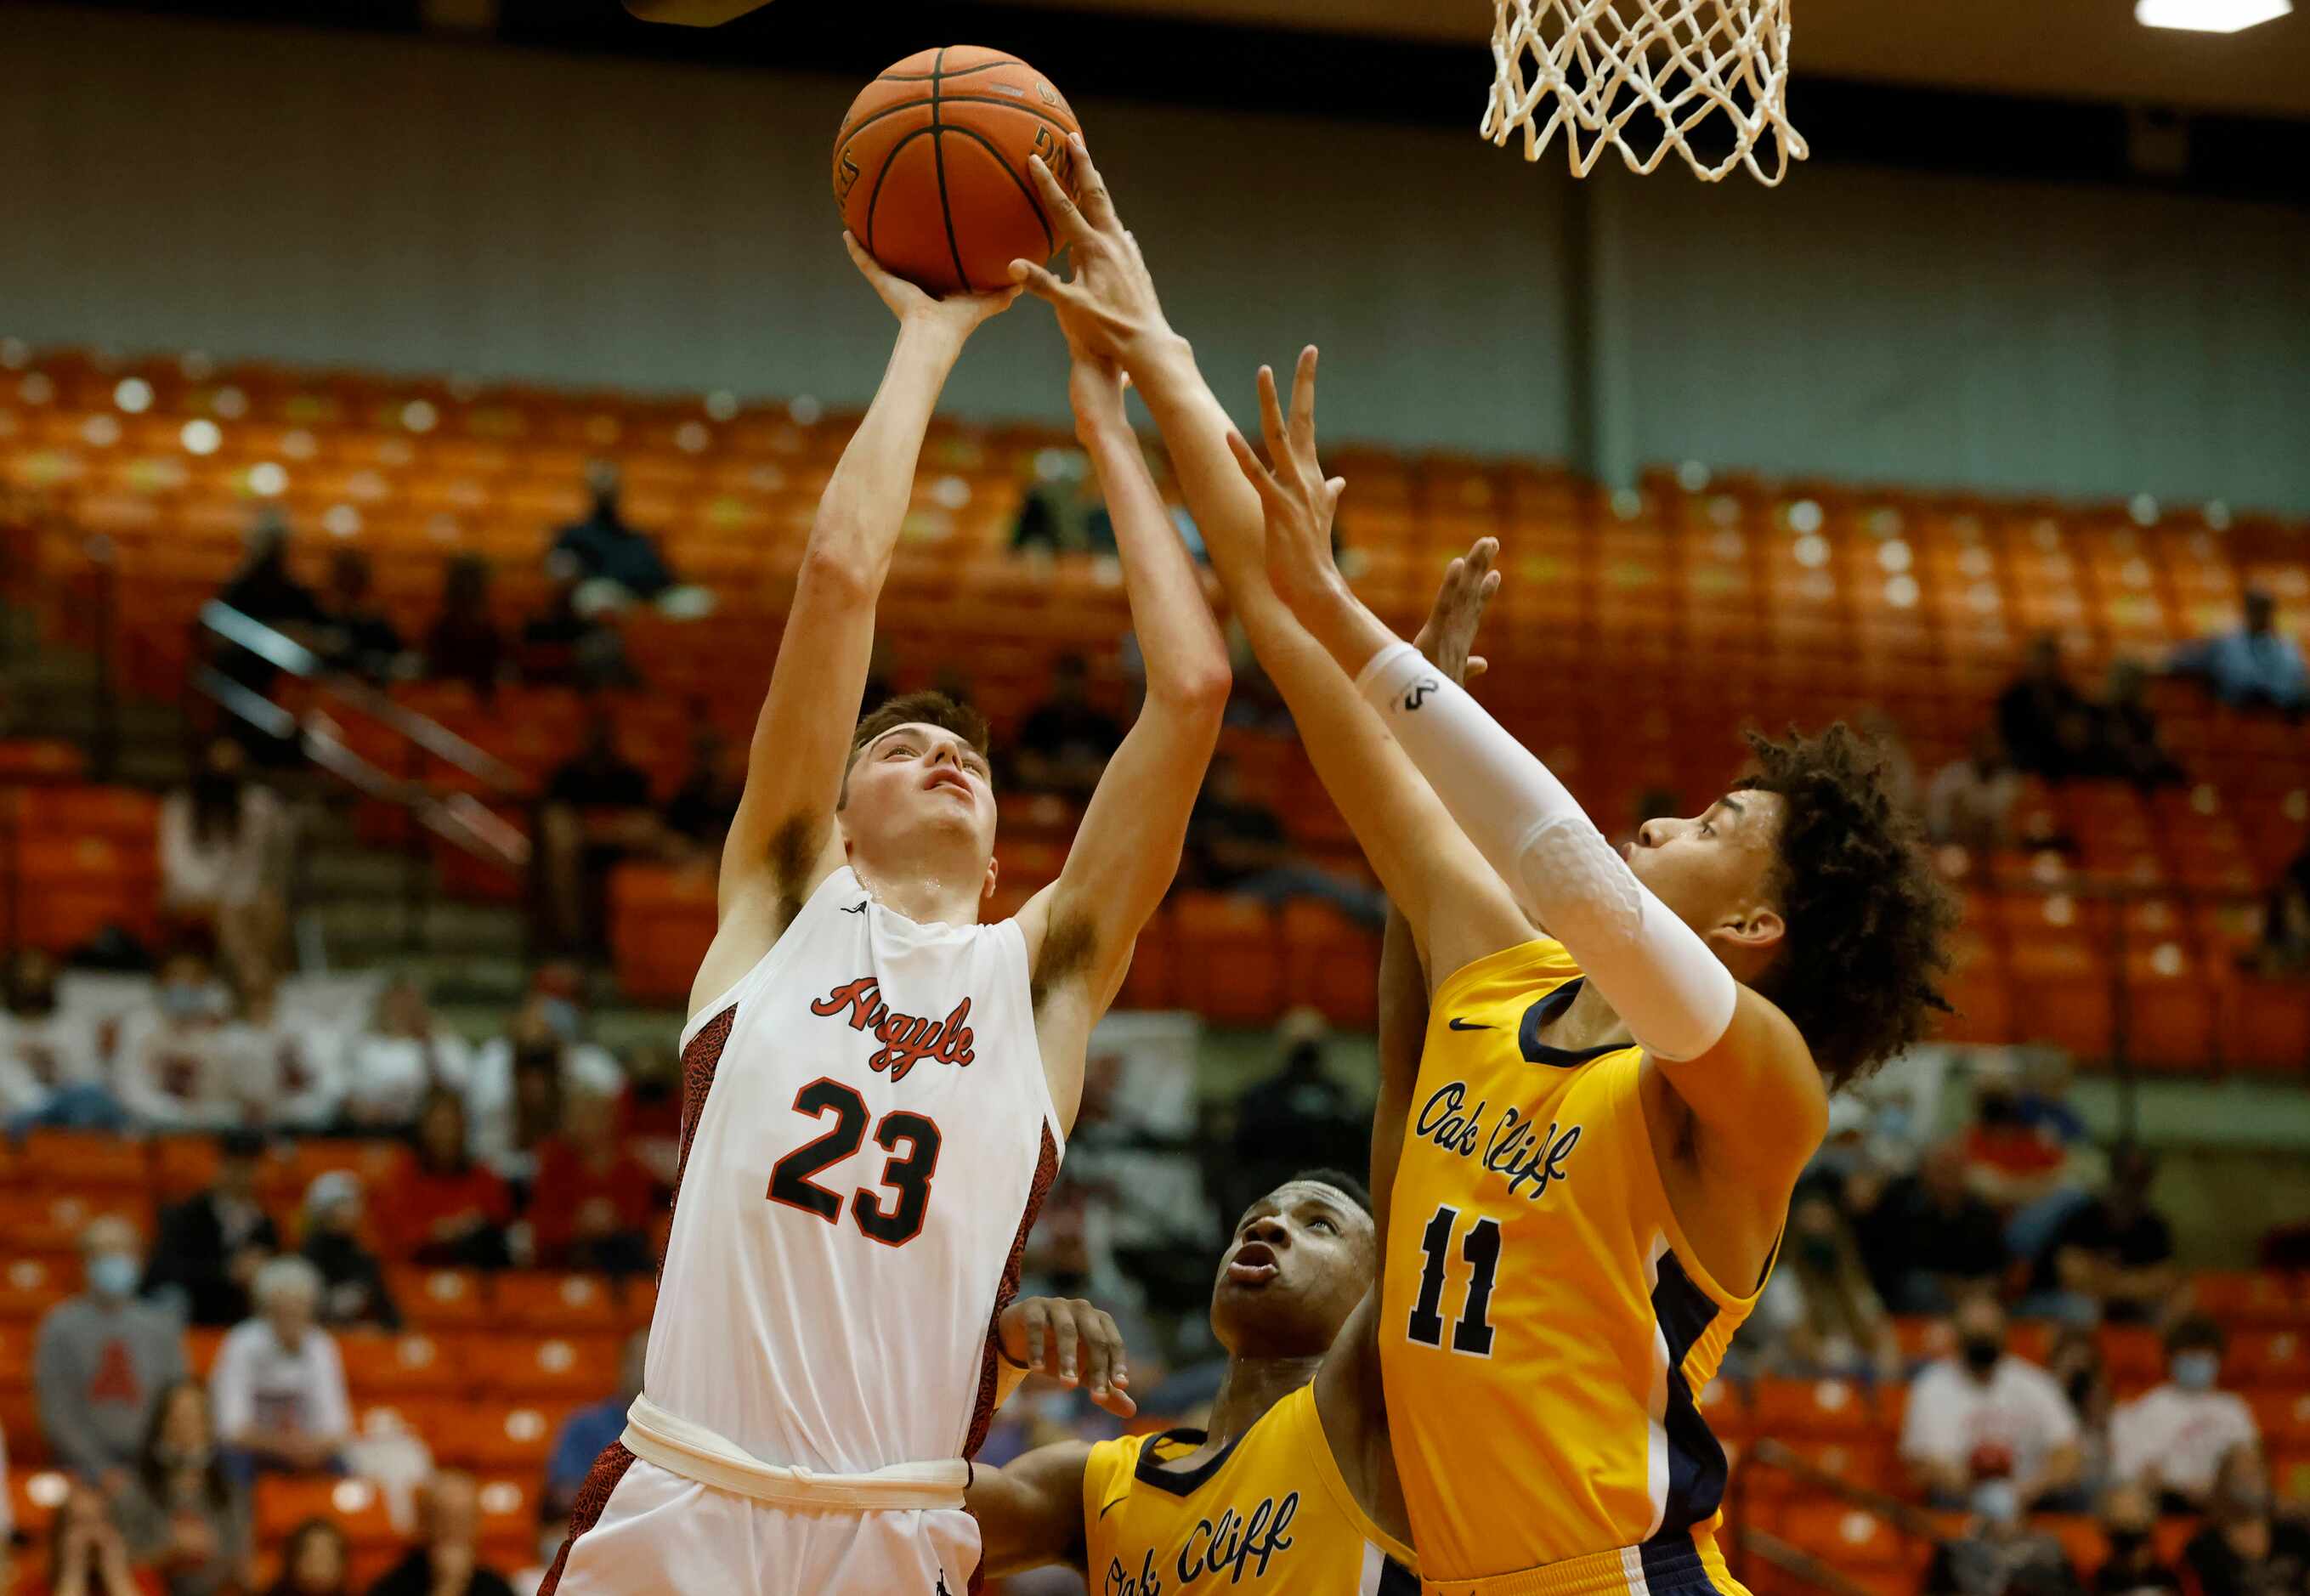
(31, 1286)
(2265, 1298)
(85, 1160)
(440, 1299)
(1229, 968)
(510, 1437)
(1331, 962)
(572, 1368)
(556, 1304)
(283, 1502)
(1814, 1410)
(411, 1365)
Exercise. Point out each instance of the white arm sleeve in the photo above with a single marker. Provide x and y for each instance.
(1676, 996)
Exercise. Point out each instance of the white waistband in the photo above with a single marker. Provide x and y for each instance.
(696, 1452)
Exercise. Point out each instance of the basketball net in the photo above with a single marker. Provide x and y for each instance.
(1590, 67)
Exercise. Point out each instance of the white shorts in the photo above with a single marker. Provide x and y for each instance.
(638, 1529)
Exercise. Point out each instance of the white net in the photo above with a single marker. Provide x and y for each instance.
(1644, 77)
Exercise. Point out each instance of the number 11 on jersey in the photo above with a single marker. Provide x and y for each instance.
(1472, 1334)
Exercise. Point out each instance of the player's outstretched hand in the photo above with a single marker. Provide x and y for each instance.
(960, 314)
(1450, 630)
(1108, 306)
(1074, 1343)
(1298, 500)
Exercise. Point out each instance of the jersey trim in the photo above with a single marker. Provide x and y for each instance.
(1697, 1468)
(1187, 1482)
(982, 1417)
(740, 989)
(1325, 1464)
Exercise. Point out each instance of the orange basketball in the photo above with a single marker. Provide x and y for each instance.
(931, 172)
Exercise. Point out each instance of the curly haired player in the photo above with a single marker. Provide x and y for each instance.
(1628, 1055)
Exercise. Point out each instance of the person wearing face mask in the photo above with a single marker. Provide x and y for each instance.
(1999, 1555)
(225, 853)
(2246, 1549)
(1988, 1415)
(50, 1072)
(103, 1360)
(179, 1512)
(169, 1066)
(1824, 1319)
(2172, 1439)
(279, 1383)
(2129, 1526)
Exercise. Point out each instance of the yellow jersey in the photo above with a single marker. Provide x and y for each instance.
(1270, 1513)
(1544, 1325)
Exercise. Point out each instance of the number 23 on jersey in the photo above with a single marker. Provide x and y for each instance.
(894, 1222)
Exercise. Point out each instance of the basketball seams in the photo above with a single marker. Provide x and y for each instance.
(1035, 200)
(938, 155)
(889, 159)
(935, 74)
(852, 130)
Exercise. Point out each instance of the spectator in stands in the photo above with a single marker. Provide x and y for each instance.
(1928, 1239)
(2015, 1155)
(2112, 1259)
(1065, 740)
(2285, 919)
(1999, 1555)
(50, 1072)
(87, 1554)
(315, 1561)
(169, 1065)
(2128, 739)
(562, 645)
(613, 564)
(354, 1289)
(2046, 724)
(278, 1384)
(2129, 1527)
(2255, 666)
(1236, 843)
(211, 1244)
(2247, 1548)
(355, 635)
(597, 812)
(103, 1360)
(448, 1209)
(506, 1128)
(224, 843)
(1823, 1318)
(1969, 801)
(447, 1562)
(465, 643)
(264, 589)
(1301, 1107)
(591, 1204)
(511, 1142)
(585, 1434)
(1985, 1415)
(286, 1068)
(403, 1055)
(698, 814)
(2173, 1439)
(180, 1513)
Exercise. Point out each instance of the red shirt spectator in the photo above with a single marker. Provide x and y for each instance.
(591, 1206)
(448, 1209)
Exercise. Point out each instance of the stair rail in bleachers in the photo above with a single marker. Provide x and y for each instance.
(1907, 1520)
(453, 813)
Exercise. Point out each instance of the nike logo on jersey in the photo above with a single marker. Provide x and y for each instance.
(1466, 1025)
(908, 1040)
(1514, 1147)
(857, 908)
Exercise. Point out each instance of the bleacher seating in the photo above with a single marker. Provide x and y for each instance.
(1634, 632)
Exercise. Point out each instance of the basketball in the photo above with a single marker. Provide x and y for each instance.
(929, 169)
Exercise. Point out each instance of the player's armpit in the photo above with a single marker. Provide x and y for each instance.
(1757, 1095)
(1352, 1408)
(1030, 1512)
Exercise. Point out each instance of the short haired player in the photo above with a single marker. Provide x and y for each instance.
(1291, 1487)
(876, 1085)
(1628, 1056)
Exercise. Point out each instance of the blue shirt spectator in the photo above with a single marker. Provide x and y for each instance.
(585, 1432)
(2256, 665)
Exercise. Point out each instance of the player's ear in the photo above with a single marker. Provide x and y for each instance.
(993, 869)
(1758, 928)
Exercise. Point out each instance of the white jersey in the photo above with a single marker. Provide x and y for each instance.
(866, 1135)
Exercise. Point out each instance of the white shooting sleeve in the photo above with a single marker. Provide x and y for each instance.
(1676, 996)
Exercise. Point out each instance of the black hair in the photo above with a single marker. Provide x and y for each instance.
(2194, 1331)
(1868, 916)
(1339, 1180)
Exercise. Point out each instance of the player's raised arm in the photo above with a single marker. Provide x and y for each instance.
(782, 842)
(1677, 996)
(1081, 928)
(1111, 306)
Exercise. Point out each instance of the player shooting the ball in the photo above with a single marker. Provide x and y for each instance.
(1628, 1055)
